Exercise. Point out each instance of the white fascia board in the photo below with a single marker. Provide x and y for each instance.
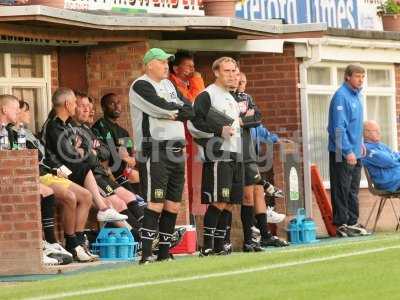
(350, 49)
(231, 45)
(360, 54)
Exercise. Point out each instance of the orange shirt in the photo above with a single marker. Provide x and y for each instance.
(190, 92)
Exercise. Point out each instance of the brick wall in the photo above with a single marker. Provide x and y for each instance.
(112, 69)
(272, 81)
(20, 226)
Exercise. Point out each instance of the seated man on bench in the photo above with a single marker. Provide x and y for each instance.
(382, 163)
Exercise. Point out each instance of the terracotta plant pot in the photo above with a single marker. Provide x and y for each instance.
(54, 3)
(222, 8)
(391, 22)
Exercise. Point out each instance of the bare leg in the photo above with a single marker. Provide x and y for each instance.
(45, 191)
(91, 185)
(259, 202)
(84, 203)
(125, 195)
(117, 203)
(69, 203)
(248, 199)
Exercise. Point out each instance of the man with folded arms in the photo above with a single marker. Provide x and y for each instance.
(64, 142)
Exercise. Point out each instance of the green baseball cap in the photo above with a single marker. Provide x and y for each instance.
(156, 53)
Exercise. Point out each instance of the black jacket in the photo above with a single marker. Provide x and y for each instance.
(246, 103)
(112, 137)
(91, 142)
(60, 138)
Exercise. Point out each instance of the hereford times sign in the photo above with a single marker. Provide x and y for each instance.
(166, 7)
(348, 14)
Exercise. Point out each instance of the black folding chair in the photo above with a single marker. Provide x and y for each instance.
(384, 196)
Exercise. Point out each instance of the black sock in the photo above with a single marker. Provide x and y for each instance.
(80, 237)
(228, 227)
(166, 229)
(136, 210)
(246, 214)
(149, 231)
(47, 207)
(71, 242)
(220, 231)
(262, 226)
(210, 224)
(134, 223)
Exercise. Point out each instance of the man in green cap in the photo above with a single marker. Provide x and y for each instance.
(158, 111)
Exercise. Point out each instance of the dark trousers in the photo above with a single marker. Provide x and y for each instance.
(345, 183)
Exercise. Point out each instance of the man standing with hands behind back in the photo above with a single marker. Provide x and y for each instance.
(345, 129)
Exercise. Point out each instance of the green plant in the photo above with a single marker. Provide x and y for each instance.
(389, 7)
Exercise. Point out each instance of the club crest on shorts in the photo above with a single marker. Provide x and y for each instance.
(159, 193)
(225, 192)
(109, 189)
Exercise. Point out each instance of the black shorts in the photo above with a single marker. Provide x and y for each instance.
(222, 181)
(106, 185)
(251, 174)
(79, 172)
(162, 176)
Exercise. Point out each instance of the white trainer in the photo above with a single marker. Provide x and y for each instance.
(81, 255)
(48, 261)
(255, 234)
(56, 251)
(273, 217)
(110, 215)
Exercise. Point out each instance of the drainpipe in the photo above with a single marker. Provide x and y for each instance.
(313, 57)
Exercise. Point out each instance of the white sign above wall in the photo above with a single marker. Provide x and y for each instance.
(164, 7)
(347, 14)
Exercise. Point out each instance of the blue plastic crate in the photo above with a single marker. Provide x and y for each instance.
(302, 230)
(308, 231)
(115, 244)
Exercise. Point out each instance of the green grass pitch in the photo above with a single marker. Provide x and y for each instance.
(360, 268)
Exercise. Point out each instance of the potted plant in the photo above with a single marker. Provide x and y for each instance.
(389, 11)
(221, 8)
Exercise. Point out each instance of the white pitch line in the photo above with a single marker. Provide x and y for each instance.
(213, 275)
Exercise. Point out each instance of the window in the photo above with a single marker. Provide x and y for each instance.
(27, 76)
(379, 78)
(319, 76)
(26, 66)
(378, 102)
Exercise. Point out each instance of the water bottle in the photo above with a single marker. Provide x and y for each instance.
(123, 248)
(4, 141)
(21, 137)
(111, 247)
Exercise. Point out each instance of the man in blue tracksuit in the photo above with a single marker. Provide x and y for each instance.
(345, 150)
(382, 163)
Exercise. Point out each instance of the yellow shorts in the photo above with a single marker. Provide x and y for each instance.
(50, 179)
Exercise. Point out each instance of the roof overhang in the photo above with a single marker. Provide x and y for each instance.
(351, 45)
(45, 22)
